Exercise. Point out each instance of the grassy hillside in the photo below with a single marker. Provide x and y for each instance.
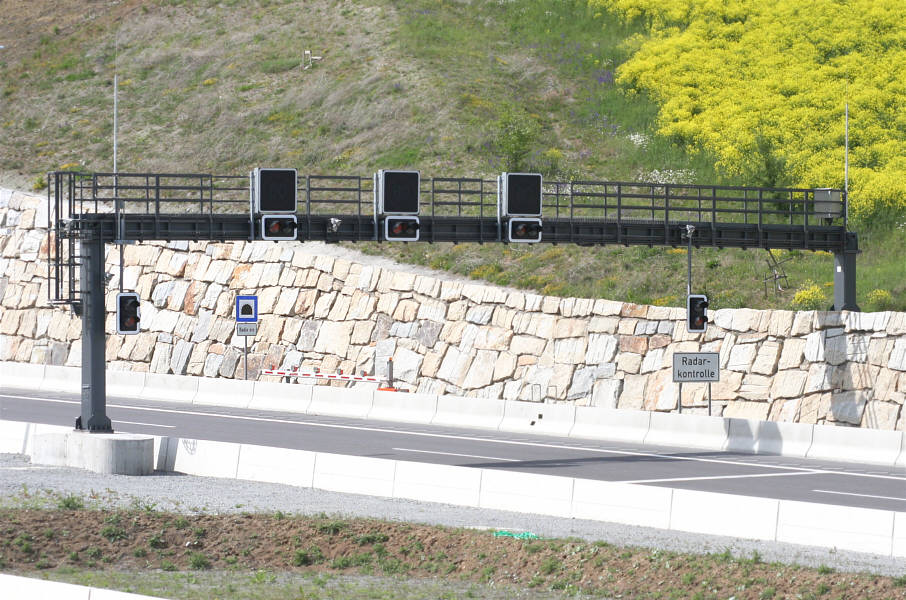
(449, 87)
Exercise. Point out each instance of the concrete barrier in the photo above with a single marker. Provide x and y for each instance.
(354, 474)
(13, 435)
(35, 429)
(224, 392)
(629, 504)
(694, 431)
(769, 437)
(125, 383)
(400, 406)
(829, 526)
(341, 402)
(170, 388)
(724, 514)
(107, 453)
(21, 375)
(901, 461)
(201, 457)
(283, 397)
(276, 465)
(15, 588)
(535, 417)
(611, 424)
(459, 411)
(899, 534)
(61, 379)
(526, 492)
(437, 483)
(849, 444)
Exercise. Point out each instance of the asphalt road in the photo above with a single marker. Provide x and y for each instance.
(845, 484)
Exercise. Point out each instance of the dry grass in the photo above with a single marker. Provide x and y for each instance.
(216, 86)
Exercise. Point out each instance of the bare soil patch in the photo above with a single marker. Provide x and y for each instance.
(146, 540)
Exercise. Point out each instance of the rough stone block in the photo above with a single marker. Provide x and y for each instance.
(788, 384)
(455, 366)
(741, 357)
(480, 314)
(881, 415)
(898, 355)
(504, 366)
(755, 387)
(634, 344)
(406, 365)
(766, 360)
(848, 406)
(333, 337)
(481, 371)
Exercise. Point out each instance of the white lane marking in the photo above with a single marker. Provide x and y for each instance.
(860, 495)
(455, 454)
(474, 439)
(145, 424)
(719, 477)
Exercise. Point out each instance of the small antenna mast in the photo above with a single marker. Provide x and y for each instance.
(846, 162)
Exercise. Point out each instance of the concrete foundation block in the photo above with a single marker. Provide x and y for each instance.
(108, 453)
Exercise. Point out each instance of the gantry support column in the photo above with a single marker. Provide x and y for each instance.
(94, 384)
(845, 275)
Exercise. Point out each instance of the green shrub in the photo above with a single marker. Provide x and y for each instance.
(113, 533)
(810, 297)
(199, 561)
(880, 300)
(515, 133)
(312, 556)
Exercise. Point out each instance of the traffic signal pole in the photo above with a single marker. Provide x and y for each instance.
(94, 383)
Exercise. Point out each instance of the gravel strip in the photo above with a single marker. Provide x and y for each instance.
(190, 494)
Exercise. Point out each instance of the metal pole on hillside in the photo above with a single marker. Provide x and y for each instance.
(690, 229)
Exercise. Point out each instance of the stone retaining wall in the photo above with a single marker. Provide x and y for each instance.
(450, 337)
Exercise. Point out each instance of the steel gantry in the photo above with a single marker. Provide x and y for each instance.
(89, 210)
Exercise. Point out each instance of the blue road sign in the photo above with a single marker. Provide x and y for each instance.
(246, 309)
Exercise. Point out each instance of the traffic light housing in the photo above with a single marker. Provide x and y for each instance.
(278, 228)
(128, 313)
(521, 194)
(524, 230)
(401, 229)
(397, 192)
(696, 313)
(274, 190)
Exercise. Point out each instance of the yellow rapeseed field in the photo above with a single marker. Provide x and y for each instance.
(763, 85)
